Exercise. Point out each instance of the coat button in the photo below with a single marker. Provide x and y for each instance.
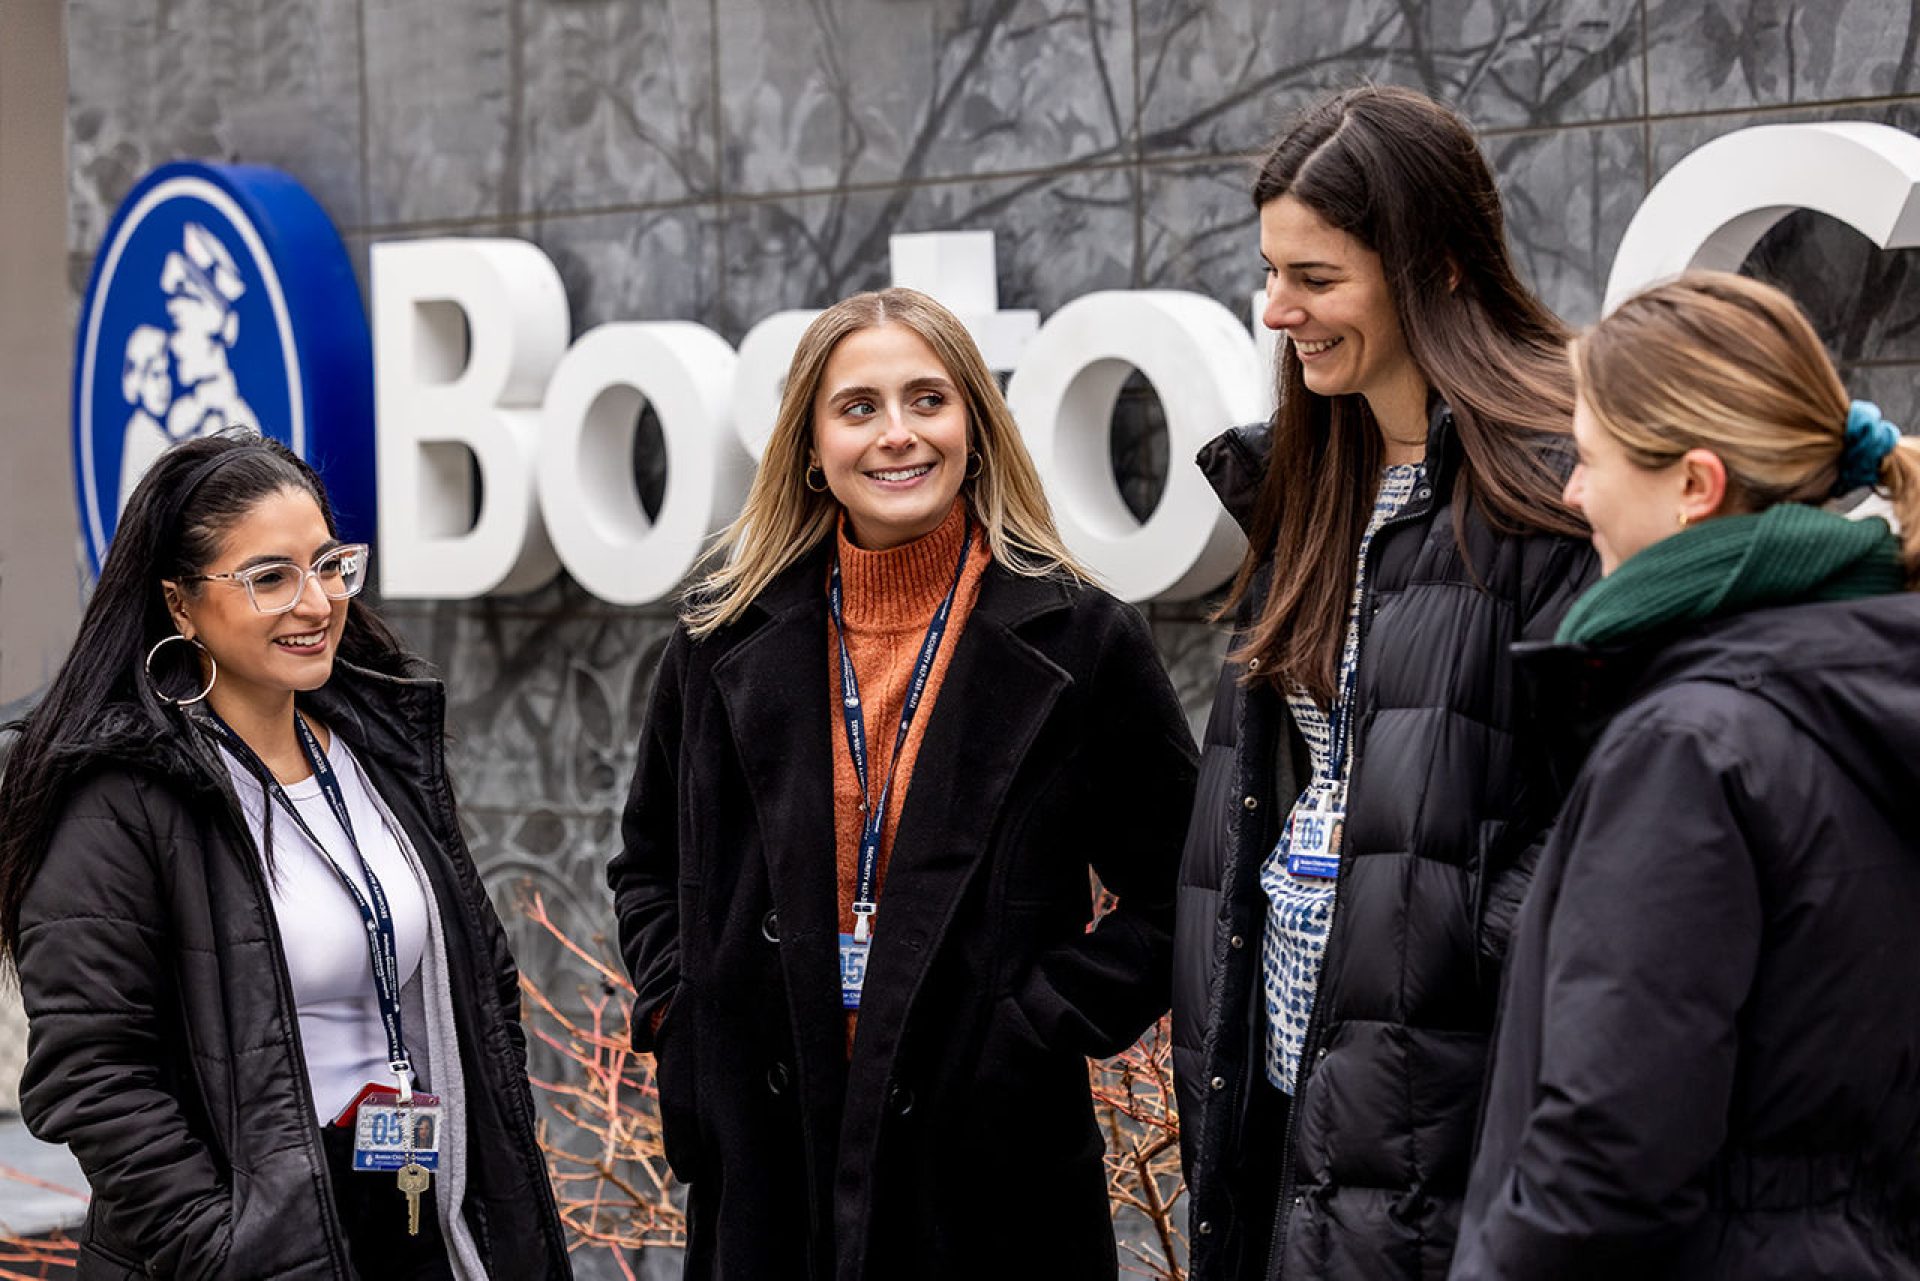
(900, 1100)
(1206, 1227)
(1320, 1054)
(1251, 802)
(1236, 942)
(1218, 1083)
(777, 1078)
(1299, 1201)
(770, 927)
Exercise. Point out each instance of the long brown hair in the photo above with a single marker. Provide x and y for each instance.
(1402, 175)
(783, 519)
(1731, 365)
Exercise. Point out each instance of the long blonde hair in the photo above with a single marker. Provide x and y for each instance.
(1725, 363)
(783, 519)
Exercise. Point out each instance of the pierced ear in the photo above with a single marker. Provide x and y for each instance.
(176, 603)
(1704, 489)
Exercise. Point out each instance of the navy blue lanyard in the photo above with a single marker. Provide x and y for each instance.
(1340, 718)
(1340, 715)
(874, 813)
(375, 914)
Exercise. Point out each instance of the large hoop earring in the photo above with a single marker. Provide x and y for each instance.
(821, 488)
(212, 676)
(976, 463)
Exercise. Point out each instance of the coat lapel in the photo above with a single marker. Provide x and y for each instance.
(774, 686)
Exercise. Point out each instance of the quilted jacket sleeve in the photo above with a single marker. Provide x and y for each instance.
(1567, 568)
(95, 977)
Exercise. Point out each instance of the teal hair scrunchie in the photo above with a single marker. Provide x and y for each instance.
(1870, 438)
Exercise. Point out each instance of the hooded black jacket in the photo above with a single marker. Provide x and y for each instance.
(163, 1042)
(1708, 1063)
(1447, 801)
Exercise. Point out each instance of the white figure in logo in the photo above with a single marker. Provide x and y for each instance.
(202, 284)
(146, 380)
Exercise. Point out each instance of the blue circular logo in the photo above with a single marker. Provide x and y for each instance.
(222, 297)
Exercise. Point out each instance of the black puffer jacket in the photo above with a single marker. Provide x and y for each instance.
(164, 1044)
(1446, 806)
(1709, 1055)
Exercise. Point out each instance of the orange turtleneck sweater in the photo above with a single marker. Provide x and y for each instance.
(888, 598)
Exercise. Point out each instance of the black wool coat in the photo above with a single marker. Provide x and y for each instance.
(164, 1046)
(958, 1138)
(1708, 1066)
(1447, 803)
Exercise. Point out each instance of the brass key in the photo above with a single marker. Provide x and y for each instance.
(413, 1181)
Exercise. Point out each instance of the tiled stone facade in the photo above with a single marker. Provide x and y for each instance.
(717, 160)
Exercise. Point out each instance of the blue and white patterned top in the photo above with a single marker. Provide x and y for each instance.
(1300, 910)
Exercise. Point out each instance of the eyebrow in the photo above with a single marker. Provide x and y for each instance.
(873, 393)
(253, 561)
(1314, 266)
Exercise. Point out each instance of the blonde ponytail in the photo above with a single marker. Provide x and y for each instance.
(1900, 481)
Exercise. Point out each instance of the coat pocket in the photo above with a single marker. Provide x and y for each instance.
(1030, 1099)
(674, 1068)
(98, 1263)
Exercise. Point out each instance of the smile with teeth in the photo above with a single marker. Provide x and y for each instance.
(1314, 348)
(307, 641)
(902, 473)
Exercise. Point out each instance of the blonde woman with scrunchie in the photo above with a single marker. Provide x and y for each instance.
(1708, 1063)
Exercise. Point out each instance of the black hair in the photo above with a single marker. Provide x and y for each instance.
(171, 529)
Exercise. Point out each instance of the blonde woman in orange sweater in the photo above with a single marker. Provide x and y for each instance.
(896, 730)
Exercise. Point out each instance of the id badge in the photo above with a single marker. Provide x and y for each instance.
(386, 1136)
(853, 970)
(1314, 832)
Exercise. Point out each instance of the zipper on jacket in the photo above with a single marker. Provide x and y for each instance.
(283, 980)
(1316, 1024)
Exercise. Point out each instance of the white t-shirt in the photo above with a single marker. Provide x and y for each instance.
(325, 938)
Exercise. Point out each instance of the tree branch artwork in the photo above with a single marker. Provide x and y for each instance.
(602, 1135)
(37, 1258)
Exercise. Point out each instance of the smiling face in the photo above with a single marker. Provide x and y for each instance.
(1629, 506)
(1328, 293)
(890, 433)
(265, 657)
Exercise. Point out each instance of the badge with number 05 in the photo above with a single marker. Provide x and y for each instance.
(387, 1137)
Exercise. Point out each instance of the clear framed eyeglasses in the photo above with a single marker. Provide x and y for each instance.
(275, 586)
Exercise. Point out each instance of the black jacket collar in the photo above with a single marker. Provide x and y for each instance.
(1235, 462)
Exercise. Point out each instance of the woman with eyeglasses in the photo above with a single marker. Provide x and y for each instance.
(252, 945)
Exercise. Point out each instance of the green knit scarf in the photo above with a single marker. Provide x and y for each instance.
(1787, 554)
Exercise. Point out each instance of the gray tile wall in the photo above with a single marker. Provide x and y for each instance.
(720, 159)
